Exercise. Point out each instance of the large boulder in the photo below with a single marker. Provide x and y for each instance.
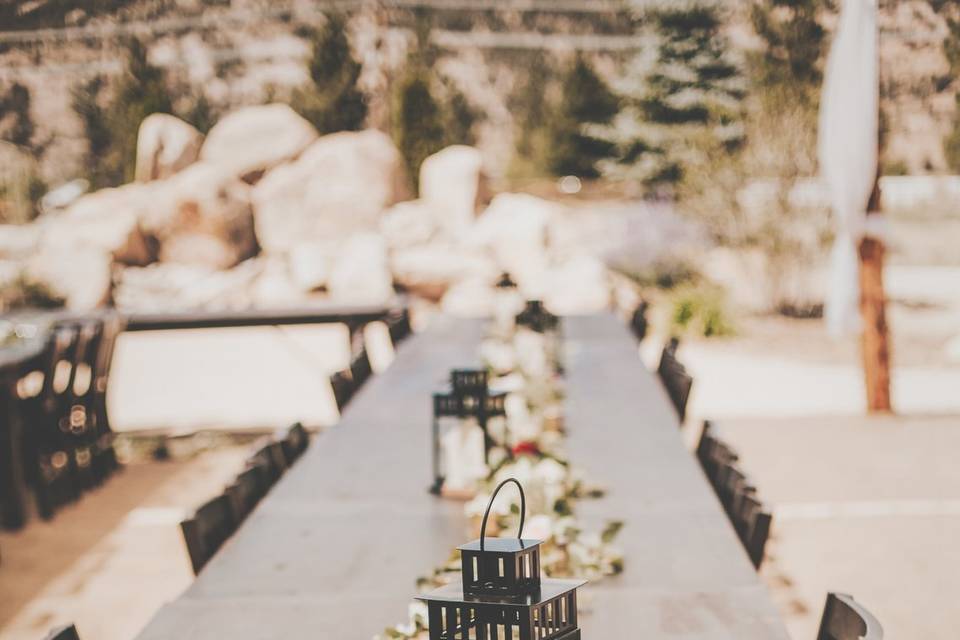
(473, 298)
(202, 216)
(338, 186)
(450, 183)
(107, 220)
(361, 273)
(514, 228)
(80, 275)
(251, 140)
(408, 224)
(429, 270)
(310, 264)
(165, 144)
(166, 286)
(18, 240)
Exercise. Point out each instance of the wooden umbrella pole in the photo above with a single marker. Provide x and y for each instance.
(875, 340)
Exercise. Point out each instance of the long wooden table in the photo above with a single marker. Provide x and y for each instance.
(334, 550)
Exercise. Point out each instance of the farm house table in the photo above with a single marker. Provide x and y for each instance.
(334, 550)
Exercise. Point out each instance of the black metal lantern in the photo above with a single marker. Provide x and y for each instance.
(536, 318)
(506, 282)
(469, 397)
(501, 595)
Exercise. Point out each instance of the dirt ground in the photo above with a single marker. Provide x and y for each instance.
(108, 562)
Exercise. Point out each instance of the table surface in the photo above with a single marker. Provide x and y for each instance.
(335, 548)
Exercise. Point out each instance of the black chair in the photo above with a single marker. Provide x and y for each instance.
(294, 441)
(50, 437)
(638, 321)
(738, 496)
(360, 368)
(207, 530)
(104, 457)
(398, 324)
(245, 492)
(675, 378)
(753, 524)
(21, 424)
(343, 388)
(78, 423)
(845, 619)
(271, 462)
(68, 632)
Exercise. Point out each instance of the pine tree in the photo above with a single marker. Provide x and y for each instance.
(688, 107)
(332, 101)
(201, 114)
(111, 130)
(788, 66)
(531, 115)
(459, 118)
(951, 50)
(417, 121)
(15, 109)
(586, 100)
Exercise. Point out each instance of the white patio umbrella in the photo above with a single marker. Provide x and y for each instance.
(847, 145)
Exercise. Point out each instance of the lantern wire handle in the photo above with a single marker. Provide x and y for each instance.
(523, 511)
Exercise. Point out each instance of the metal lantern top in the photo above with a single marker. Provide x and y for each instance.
(501, 565)
(536, 317)
(506, 282)
(469, 396)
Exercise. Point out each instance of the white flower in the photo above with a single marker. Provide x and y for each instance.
(538, 527)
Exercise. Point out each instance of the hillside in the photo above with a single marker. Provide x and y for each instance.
(246, 52)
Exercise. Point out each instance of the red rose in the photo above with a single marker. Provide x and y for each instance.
(527, 447)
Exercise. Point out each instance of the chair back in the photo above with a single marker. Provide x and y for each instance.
(846, 619)
(80, 414)
(245, 492)
(360, 368)
(342, 384)
(675, 378)
(294, 440)
(271, 462)
(68, 632)
(207, 530)
(750, 518)
(638, 321)
(104, 456)
(398, 324)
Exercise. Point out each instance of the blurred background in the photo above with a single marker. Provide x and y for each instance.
(184, 155)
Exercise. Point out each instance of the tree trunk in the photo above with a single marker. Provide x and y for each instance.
(875, 340)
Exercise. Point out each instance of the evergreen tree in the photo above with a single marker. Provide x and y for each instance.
(332, 101)
(951, 50)
(15, 113)
(417, 121)
(95, 122)
(111, 130)
(586, 100)
(688, 107)
(794, 45)
(531, 110)
(459, 118)
(201, 114)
